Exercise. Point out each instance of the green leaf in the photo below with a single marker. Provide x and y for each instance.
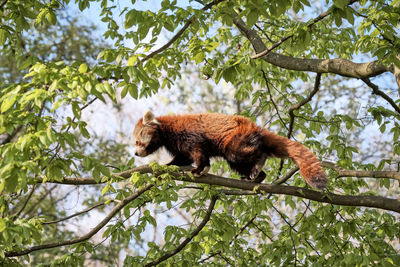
(8, 103)
(76, 110)
(104, 170)
(133, 91)
(96, 174)
(105, 189)
(109, 90)
(252, 17)
(340, 3)
(199, 57)
(51, 17)
(3, 36)
(132, 60)
(396, 133)
(2, 224)
(124, 91)
(83, 130)
(83, 68)
(349, 15)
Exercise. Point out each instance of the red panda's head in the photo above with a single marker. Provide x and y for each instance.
(145, 136)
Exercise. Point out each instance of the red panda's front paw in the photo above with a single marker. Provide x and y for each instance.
(195, 172)
(199, 172)
(261, 176)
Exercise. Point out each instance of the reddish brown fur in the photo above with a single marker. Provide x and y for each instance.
(245, 146)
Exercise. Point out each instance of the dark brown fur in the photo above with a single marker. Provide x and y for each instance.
(245, 146)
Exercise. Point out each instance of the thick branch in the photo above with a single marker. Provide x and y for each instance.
(192, 235)
(364, 201)
(85, 237)
(338, 66)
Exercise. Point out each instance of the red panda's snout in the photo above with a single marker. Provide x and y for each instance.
(141, 145)
(140, 151)
(143, 149)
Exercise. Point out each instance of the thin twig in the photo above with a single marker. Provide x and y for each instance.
(3, 4)
(113, 231)
(232, 240)
(192, 235)
(76, 214)
(39, 200)
(85, 237)
(180, 32)
(58, 147)
(272, 100)
(26, 201)
(302, 103)
(283, 39)
(287, 176)
(376, 91)
(297, 106)
(244, 192)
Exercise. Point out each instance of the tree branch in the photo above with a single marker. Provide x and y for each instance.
(3, 4)
(85, 237)
(9, 137)
(375, 90)
(192, 235)
(272, 99)
(42, 197)
(287, 176)
(180, 32)
(282, 40)
(76, 214)
(338, 66)
(302, 103)
(361, 173)
(230, 242)
(26, 201)
(345, 200)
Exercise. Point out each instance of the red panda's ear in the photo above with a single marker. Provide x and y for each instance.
(148, 117)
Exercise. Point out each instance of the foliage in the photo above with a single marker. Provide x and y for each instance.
(268, 52)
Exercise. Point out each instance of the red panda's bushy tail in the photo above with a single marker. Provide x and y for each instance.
(310, 167)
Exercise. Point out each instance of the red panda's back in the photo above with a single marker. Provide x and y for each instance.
(214, 126)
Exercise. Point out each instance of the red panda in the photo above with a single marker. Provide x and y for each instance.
(245, 146)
